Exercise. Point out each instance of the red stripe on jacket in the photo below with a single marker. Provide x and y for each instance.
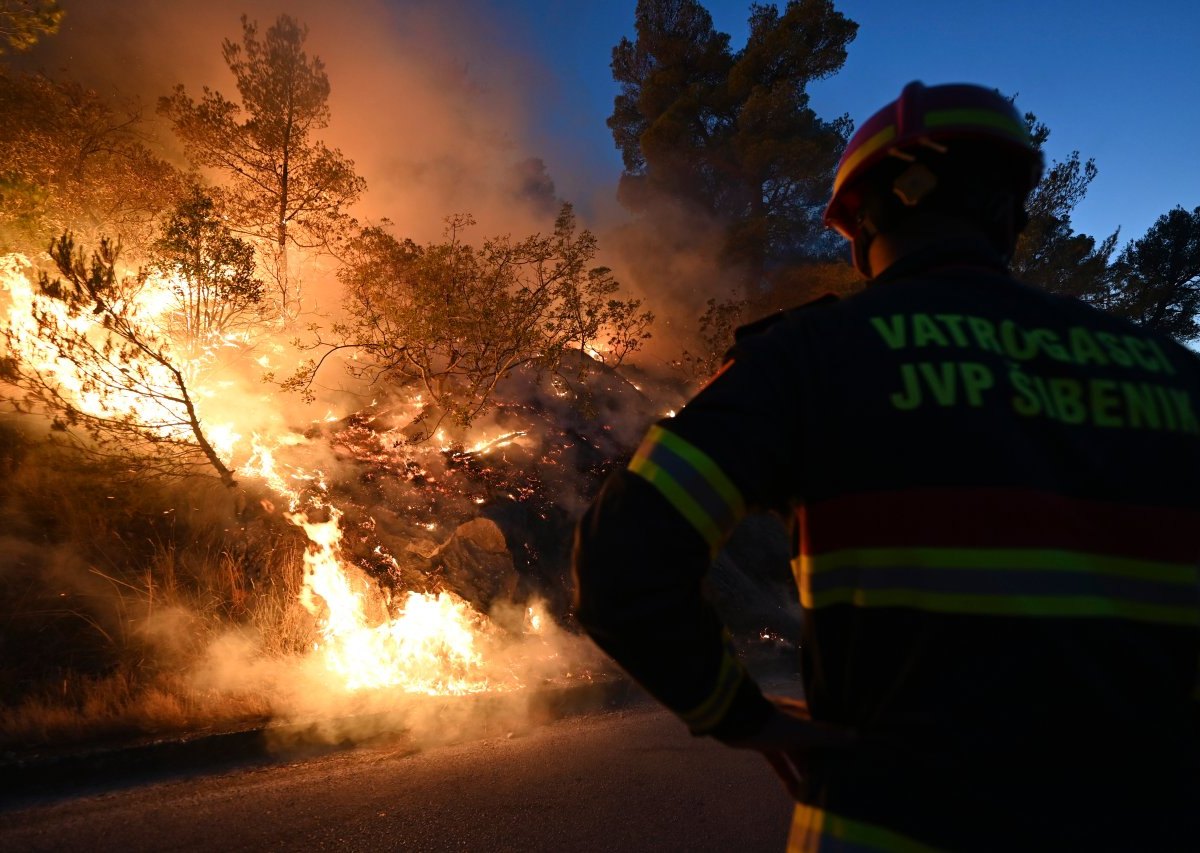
(999, 518)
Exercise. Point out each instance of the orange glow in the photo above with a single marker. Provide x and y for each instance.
(423, 642)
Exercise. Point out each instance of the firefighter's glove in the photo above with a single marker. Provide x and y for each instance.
(791, 740)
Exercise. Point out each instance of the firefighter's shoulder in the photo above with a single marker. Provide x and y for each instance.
(764, 323)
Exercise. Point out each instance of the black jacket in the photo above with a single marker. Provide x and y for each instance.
(997, 498)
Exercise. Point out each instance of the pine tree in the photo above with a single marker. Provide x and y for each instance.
(283, 185)
(732, 133)
(87, 357)
(1157, 277)
(1049, 253)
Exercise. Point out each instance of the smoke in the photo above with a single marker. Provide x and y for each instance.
(672, 255)
(435, 103)
(435, 111)
(425, 98)
(307, 707)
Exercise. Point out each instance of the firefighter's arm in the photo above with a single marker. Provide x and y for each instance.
(644, 547)
(639, 564)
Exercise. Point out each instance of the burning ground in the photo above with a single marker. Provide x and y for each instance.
(266, 462)
(362, 563)
(397, 570)
(383, 574)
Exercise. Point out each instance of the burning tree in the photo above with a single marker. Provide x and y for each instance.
(457, 319)
(283, 186)
(84, 351)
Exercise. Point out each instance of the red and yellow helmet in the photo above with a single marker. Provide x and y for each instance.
(932, 118)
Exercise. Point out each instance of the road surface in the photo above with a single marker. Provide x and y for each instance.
(628, 780)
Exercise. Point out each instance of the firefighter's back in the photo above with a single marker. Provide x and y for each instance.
(1000, 495)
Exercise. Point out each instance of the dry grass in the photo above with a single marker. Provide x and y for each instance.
(111, 589)
(116, 707)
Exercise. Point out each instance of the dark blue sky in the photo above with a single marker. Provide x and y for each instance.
(1115, 80)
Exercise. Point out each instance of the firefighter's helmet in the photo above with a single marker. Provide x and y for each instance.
(926, 121)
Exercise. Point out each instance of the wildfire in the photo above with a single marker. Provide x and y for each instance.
(101, 395)
(487, 445)
(110, 387)
(423, 642)
(429, 646)
(432, 643)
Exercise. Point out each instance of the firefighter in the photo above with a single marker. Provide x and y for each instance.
(995, 495)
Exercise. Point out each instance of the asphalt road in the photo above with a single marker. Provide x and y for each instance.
(625, 780)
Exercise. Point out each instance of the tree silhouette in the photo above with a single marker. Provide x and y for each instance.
(732, 133)
(1049, 253)
(283, 186)
(1157, 277)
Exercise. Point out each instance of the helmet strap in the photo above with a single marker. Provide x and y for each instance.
(861, 244)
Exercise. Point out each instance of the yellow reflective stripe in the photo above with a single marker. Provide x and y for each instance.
(703, 464)
(691, 482)
(864, 151)
(679, 498)
(1003, 605)
(986, 118)
(712, 710)
(1015, 559)
(810, 825)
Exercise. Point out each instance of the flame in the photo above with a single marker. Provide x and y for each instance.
(426, 642)
(487, 445)
(103, 389)
(431, 644)
(224, 439)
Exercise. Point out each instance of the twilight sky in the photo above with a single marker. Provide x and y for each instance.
(1115, 80)
(434, 98)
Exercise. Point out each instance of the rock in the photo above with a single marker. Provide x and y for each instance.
(476, 564)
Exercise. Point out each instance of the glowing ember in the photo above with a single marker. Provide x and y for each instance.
(490, 444)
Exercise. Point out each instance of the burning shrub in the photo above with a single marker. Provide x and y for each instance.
(457, 319)
(84, 353)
